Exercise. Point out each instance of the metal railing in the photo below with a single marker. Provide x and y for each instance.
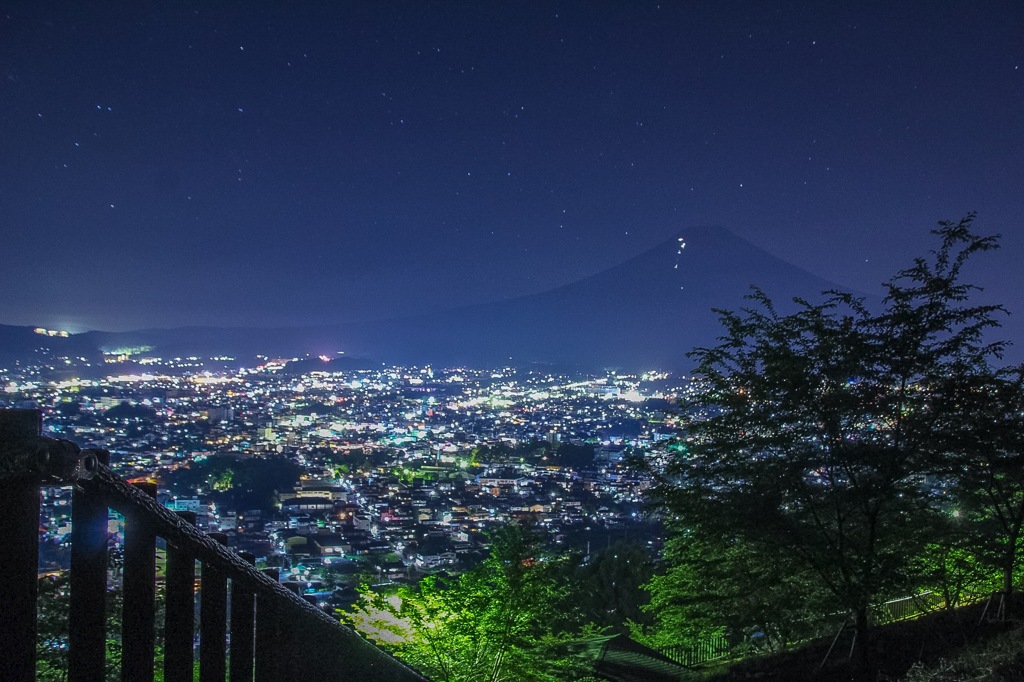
(907, 608)
(717, 646)
(251, 628)
(703, 651)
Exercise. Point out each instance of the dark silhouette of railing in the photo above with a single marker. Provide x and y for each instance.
(275, 635)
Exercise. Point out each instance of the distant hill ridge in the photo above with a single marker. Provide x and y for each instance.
(646, 312)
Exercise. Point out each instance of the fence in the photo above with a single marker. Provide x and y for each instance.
(275, 635)
(708, 649)
(718, 646)
(907, 608)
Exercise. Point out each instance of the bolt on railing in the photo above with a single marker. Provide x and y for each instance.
(275, 635)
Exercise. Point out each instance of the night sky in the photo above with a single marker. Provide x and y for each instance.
(252, 164)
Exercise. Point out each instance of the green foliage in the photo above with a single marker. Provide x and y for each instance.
(751, 592)
(608, 591)
(503, 453)
(247, 483)
(493, 624)
(574, 456)
(222, 482)
(985, 466)
(53, 606)
(813, 435)
(52, 623)
(951, 568)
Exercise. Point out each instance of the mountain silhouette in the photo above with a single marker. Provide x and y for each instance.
(645, 313)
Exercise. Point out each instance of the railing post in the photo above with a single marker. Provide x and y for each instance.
(243, 603)
(138, 616)
(213, 620)
(87, 619)
(179, 618)
(19, 527)
(290, 652)
(267, 655)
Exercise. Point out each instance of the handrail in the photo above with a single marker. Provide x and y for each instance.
(125, 497)
(288, 638)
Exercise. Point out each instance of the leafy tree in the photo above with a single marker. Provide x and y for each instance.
(724, 585)
(125, 411)
(812, 434)
(574, 456)
(950, 566)
(222, 481)
(247, 483)
(985, 468)
(492, 624)
(609, 589)
(68, 408)
(54, 601)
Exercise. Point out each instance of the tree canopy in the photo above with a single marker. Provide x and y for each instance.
(496, 623)
(817, 443)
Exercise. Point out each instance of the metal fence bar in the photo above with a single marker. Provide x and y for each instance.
(213, 620)
(19, 527)
(266, 634)
(87, 622)
(287, 637)
(243, 604)
(138, 619)
(179, 615)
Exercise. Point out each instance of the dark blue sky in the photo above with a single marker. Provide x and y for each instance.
(171, 163)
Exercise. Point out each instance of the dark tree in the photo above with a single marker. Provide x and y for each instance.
(985, 467)
(574, 456)
(125, 411)
(814, 433)
(609, 589)
(713, 585)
